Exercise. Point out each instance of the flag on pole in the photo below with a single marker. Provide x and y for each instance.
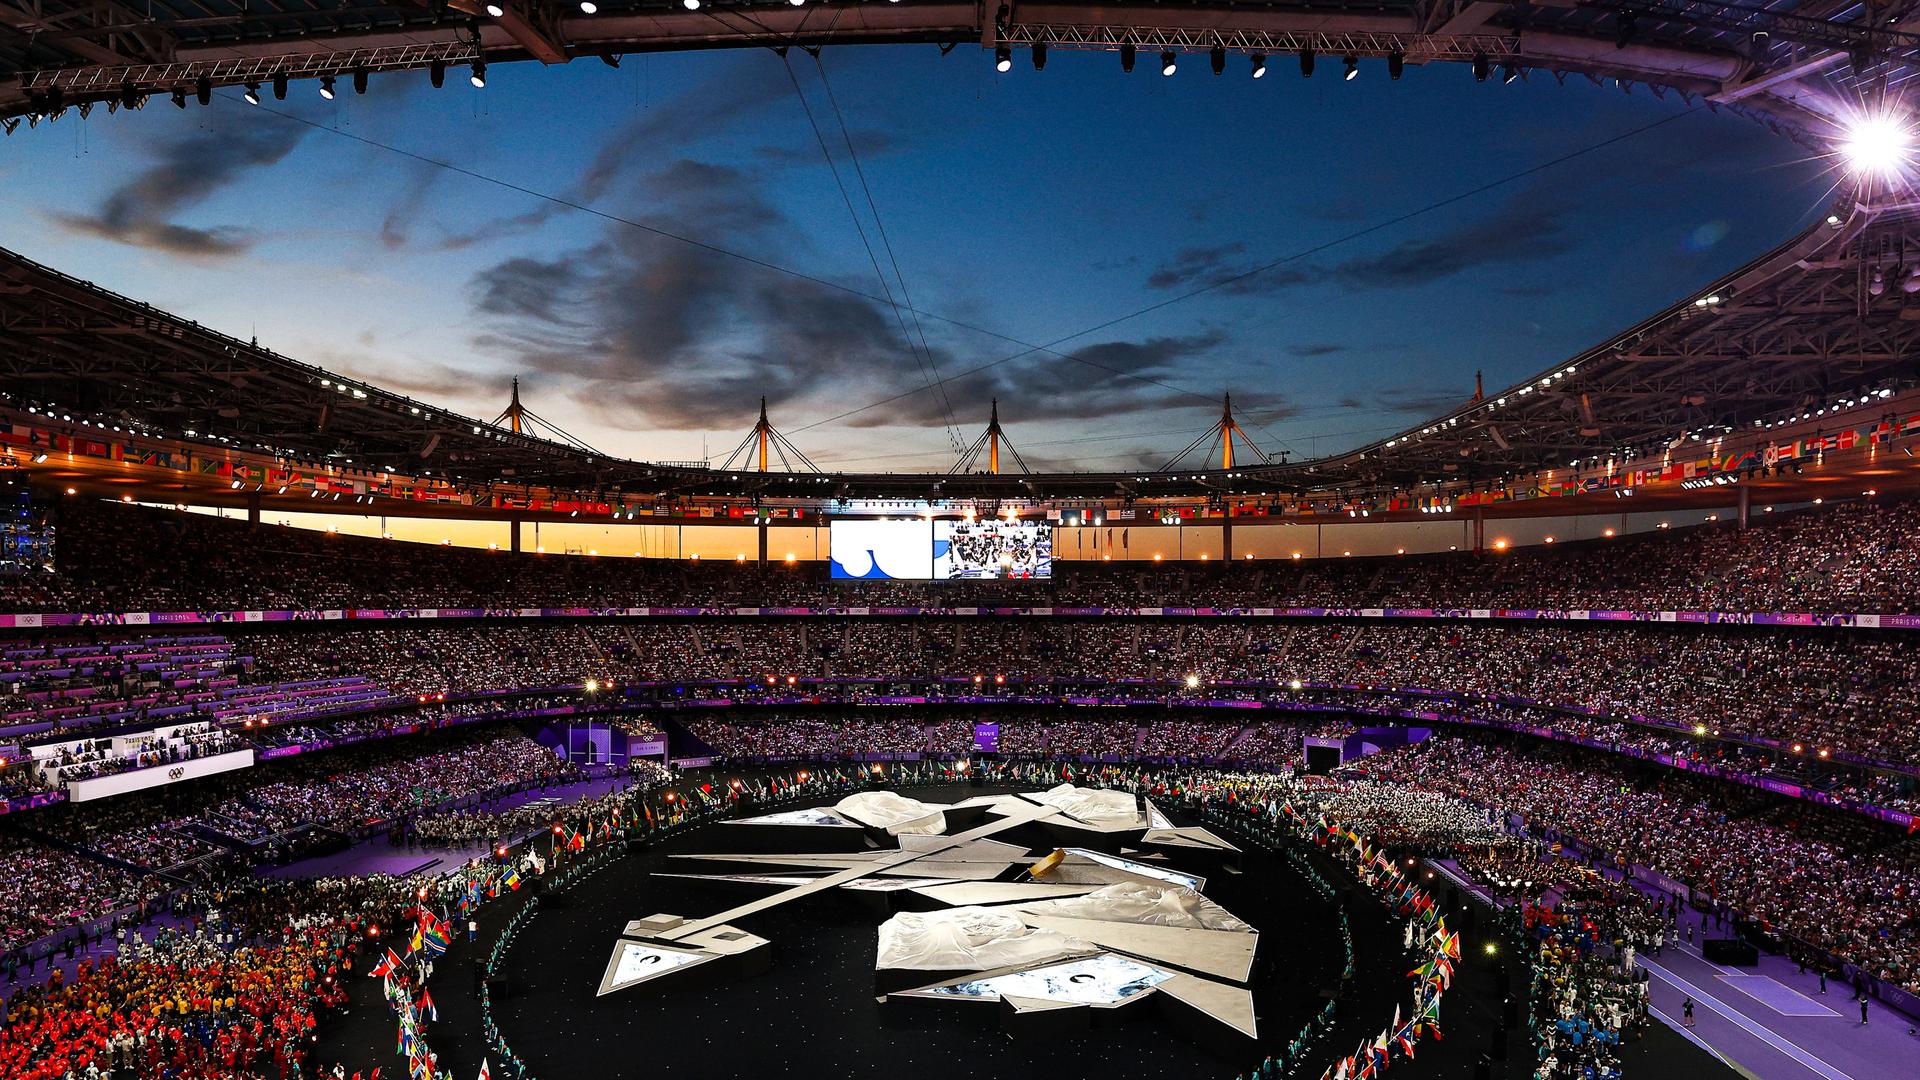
(485, 1073)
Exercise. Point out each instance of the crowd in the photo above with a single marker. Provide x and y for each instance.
(51, 889)
(129, 840)
(1818, 697)
(233, 989)
(1852, 557)
(1836, 882)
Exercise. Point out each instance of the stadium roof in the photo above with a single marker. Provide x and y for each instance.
(1827, 323)
(1798, 63)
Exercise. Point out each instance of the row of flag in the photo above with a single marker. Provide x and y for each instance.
(1426, 935)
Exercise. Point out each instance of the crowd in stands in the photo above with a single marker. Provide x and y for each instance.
(1852, 557)
(345, 794)
(51, 889)
(127, 838)
(510, 824)
(1834, 881)
(1848, 695)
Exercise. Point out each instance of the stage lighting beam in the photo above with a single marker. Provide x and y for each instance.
(1877, 144)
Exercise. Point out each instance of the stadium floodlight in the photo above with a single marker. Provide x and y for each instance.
(496, 10)
(1040, 54)
(253, 93)
(1881, 144)
(1353, 67)
(1259, 66)
(1002, 58)
(479, 76)
(1168, 63)
(326, 87)
(588, 7)
(690, 5)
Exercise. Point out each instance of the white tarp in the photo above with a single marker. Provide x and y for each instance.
(1140, 902)
(968, 938)
(893, 812)
(1095, 807)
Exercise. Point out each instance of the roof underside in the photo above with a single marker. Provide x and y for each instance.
(1796, 63)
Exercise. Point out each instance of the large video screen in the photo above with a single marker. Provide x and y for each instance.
(921, 550)
(880, 550)
(991, 548)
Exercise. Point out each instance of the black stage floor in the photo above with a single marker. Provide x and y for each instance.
(814, 1013)
(816, 1009)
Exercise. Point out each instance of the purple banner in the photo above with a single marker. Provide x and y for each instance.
(29, 620)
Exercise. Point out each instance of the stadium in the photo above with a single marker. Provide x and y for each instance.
(827, 538)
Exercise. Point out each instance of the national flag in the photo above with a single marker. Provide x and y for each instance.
(433, 939)
(485, 1073)
(512, 880)
(426, 1006)
(388, 965)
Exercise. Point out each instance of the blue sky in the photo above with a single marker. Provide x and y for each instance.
(1028, 205)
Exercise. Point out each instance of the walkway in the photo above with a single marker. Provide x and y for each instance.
(1774, 1022)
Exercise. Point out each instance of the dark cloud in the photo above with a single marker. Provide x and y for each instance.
(1312, 349)
(867, 144)
(1519, 233)
(642, 325)
(185, 173)
(701, 112)
(1103, 380)
(1420, 400)
(1226, 269)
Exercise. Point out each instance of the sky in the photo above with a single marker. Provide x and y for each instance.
(878, 240)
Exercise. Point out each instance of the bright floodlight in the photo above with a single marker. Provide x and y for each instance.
(1877, 144)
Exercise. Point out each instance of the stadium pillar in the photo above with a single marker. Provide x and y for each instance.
(763, 543)
(1746, 500)
(1479, 530)
(1226, 537)
(513, 535)
(253, 509)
